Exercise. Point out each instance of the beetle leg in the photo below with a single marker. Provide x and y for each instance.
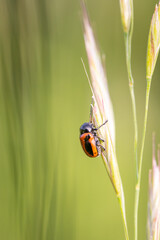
(102, 148)
(99, 145)
(100, 139)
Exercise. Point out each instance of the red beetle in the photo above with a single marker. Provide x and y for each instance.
(89, 139)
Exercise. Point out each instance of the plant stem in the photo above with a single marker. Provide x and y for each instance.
(131, 88)
(120, 196)
(122, 207)
(137, 190)
(128, 40)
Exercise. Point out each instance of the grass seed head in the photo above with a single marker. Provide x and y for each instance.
(126, 14)
(153, 42)
(102, 109)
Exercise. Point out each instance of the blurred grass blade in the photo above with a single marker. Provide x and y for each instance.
(30, 200)
(102, 111)
(153, 222)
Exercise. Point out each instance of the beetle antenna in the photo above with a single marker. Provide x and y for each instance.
(91, 112)
(101, 125)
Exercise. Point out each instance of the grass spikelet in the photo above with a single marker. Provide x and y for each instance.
(126, 14)
(153, 42)
(103, 111)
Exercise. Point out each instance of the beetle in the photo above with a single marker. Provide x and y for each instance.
(89, 139)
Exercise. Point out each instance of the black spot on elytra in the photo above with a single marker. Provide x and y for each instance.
(88, 145)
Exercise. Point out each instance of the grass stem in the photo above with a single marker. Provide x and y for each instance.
(128, 37)
(137, 190)
(122, 207)
(121, 200)
(131, 88)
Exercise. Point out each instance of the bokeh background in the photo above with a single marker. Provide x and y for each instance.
(49, 189)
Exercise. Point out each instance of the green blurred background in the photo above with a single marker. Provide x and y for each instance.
(49, 189)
